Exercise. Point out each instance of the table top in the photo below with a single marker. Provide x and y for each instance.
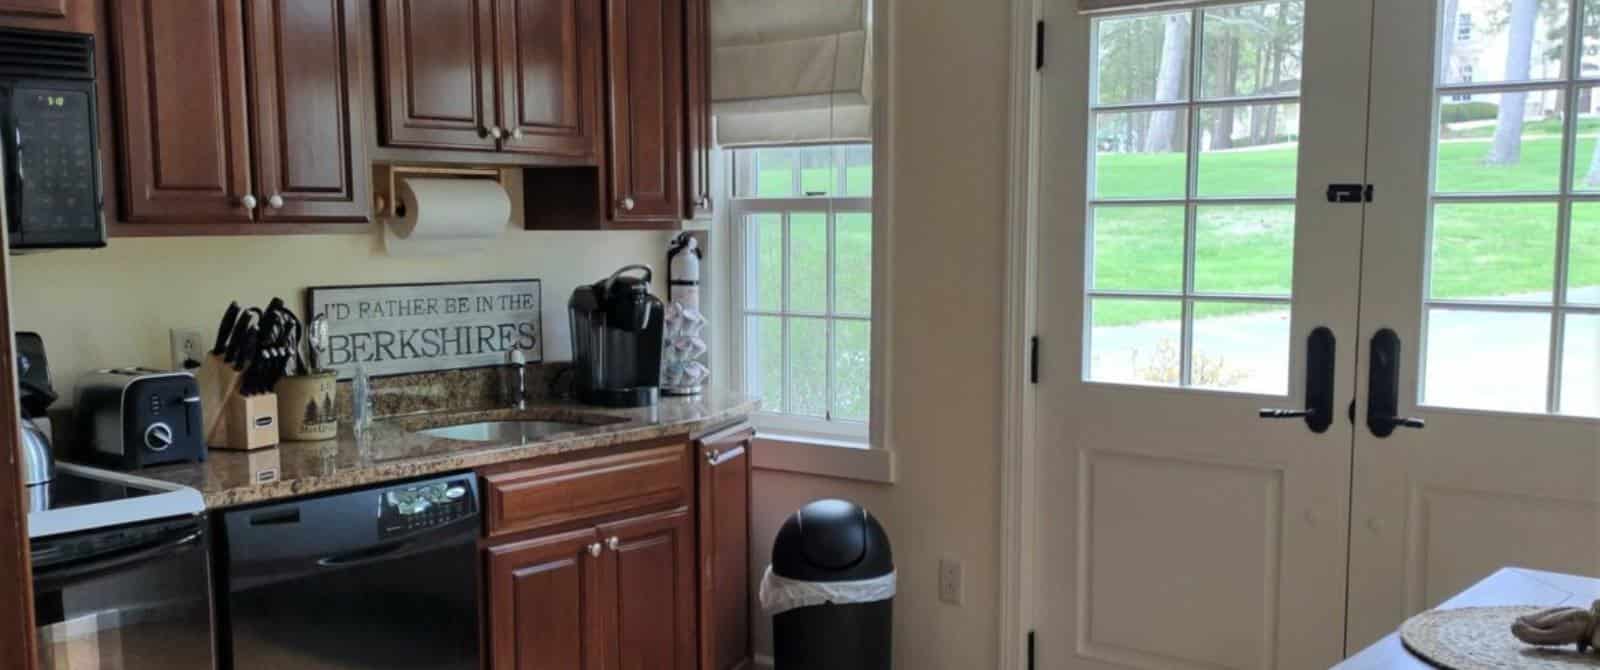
(1508, 586)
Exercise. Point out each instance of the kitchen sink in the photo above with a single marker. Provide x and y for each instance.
(505, 431)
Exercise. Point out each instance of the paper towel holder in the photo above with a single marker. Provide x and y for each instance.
(386, 180)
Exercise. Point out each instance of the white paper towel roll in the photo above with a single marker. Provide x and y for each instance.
(447, 216)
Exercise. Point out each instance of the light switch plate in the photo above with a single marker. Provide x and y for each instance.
(950, 580)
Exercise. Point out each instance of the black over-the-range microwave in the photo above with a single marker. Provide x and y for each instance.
(50, 136)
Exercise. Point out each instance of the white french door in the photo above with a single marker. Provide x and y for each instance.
(1187, 253)
(1193, 263)
(1482, 256)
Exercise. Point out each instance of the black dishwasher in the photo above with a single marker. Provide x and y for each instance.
(383, 577)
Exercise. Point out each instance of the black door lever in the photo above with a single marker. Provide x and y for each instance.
(1383, 386)
(1320, 348)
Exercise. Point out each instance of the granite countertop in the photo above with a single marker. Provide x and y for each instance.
(393, 449)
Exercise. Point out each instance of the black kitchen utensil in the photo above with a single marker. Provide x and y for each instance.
(229, 318)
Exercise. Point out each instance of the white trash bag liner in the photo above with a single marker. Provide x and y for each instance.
(780, 594)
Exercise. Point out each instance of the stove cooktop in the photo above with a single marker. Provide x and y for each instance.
(82, 498)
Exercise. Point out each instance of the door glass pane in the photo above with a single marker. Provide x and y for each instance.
(766, 262)
(1591, 39)
(1141, 154)
(1580, 366)
(1136, 341)
(808, 367)
(1249, 150)
(1492, 360)
(852, 342)
(808, 262)
(1503, 40)
(1493, 251)
(1499, 143)
(1252, 50)
(1138, 248)
(853, 263)
(1142, 58)
(1583, 264)
(1244, 249)
(764, 361)
(1241, 346)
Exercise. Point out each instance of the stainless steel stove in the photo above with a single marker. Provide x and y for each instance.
(121, 572)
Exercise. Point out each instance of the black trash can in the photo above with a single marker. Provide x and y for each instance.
(831, 590)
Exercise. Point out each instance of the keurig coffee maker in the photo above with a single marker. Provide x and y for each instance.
(616, 340)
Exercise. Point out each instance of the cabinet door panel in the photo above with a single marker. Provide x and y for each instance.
(654, 592)
(438, 65)
(310, 146)
(545, 600)
(549, 82)
(181, 110)
(697, 108)
(645, 74)
(724, 511)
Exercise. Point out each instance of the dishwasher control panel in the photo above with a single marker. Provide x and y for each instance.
(410, 508)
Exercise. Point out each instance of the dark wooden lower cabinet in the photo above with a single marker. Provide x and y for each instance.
(546, 596)
(723, 506)
(648, 581)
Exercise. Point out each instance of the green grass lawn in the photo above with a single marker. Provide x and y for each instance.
(1479, 251)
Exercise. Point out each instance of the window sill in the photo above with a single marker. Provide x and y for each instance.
(823, 457)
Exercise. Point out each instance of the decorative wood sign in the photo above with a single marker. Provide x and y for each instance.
(391, 329)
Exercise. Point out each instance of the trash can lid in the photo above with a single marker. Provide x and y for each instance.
(832, 541)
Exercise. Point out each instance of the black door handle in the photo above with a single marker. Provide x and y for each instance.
(1320, 349)
(1383, 386)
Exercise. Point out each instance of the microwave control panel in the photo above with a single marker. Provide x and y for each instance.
(54, 178)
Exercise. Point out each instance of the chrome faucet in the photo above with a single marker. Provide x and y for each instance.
(519, 385)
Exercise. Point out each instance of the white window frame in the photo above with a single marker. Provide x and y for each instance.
(824, 431)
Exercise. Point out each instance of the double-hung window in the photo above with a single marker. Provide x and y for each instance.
(802, 228)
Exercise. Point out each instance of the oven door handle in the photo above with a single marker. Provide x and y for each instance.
(66, 573)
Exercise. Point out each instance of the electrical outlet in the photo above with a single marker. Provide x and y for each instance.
(950, 580)
(188, 348)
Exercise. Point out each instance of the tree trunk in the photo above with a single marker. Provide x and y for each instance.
(1169, 84)
(1222, 125)
(1507, 147)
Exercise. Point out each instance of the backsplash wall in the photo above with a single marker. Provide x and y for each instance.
(115, 306)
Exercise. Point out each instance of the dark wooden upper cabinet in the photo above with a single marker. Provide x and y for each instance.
(697, 139)
(181, 111)
(547, 604)
(43, 8)
(438, 70)
(654, 590)
(645, 76)
(310, 130)
(724, 510)
(549, 84)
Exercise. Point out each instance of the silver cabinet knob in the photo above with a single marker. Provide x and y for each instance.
(712, 456)
(248, 201)
(516, 133)
(613, 542)
(594, 549)
(275, 202)
(627, 203)
(496, 132)
(703, 202)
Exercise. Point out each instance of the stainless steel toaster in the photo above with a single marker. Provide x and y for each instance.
(130, 418)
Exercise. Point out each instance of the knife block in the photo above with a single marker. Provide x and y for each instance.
(251, 422)
(218, 382)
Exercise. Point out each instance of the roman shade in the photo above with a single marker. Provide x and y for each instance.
(1092, 6)
(786, 72)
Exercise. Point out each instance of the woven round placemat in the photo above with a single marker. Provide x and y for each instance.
(1479, 638)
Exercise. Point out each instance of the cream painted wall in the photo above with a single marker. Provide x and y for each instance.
(115, 306)
(948, 63)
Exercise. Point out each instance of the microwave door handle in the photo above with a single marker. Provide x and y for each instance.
(93, 566)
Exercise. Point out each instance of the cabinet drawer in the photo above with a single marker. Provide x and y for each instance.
(540, 495)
